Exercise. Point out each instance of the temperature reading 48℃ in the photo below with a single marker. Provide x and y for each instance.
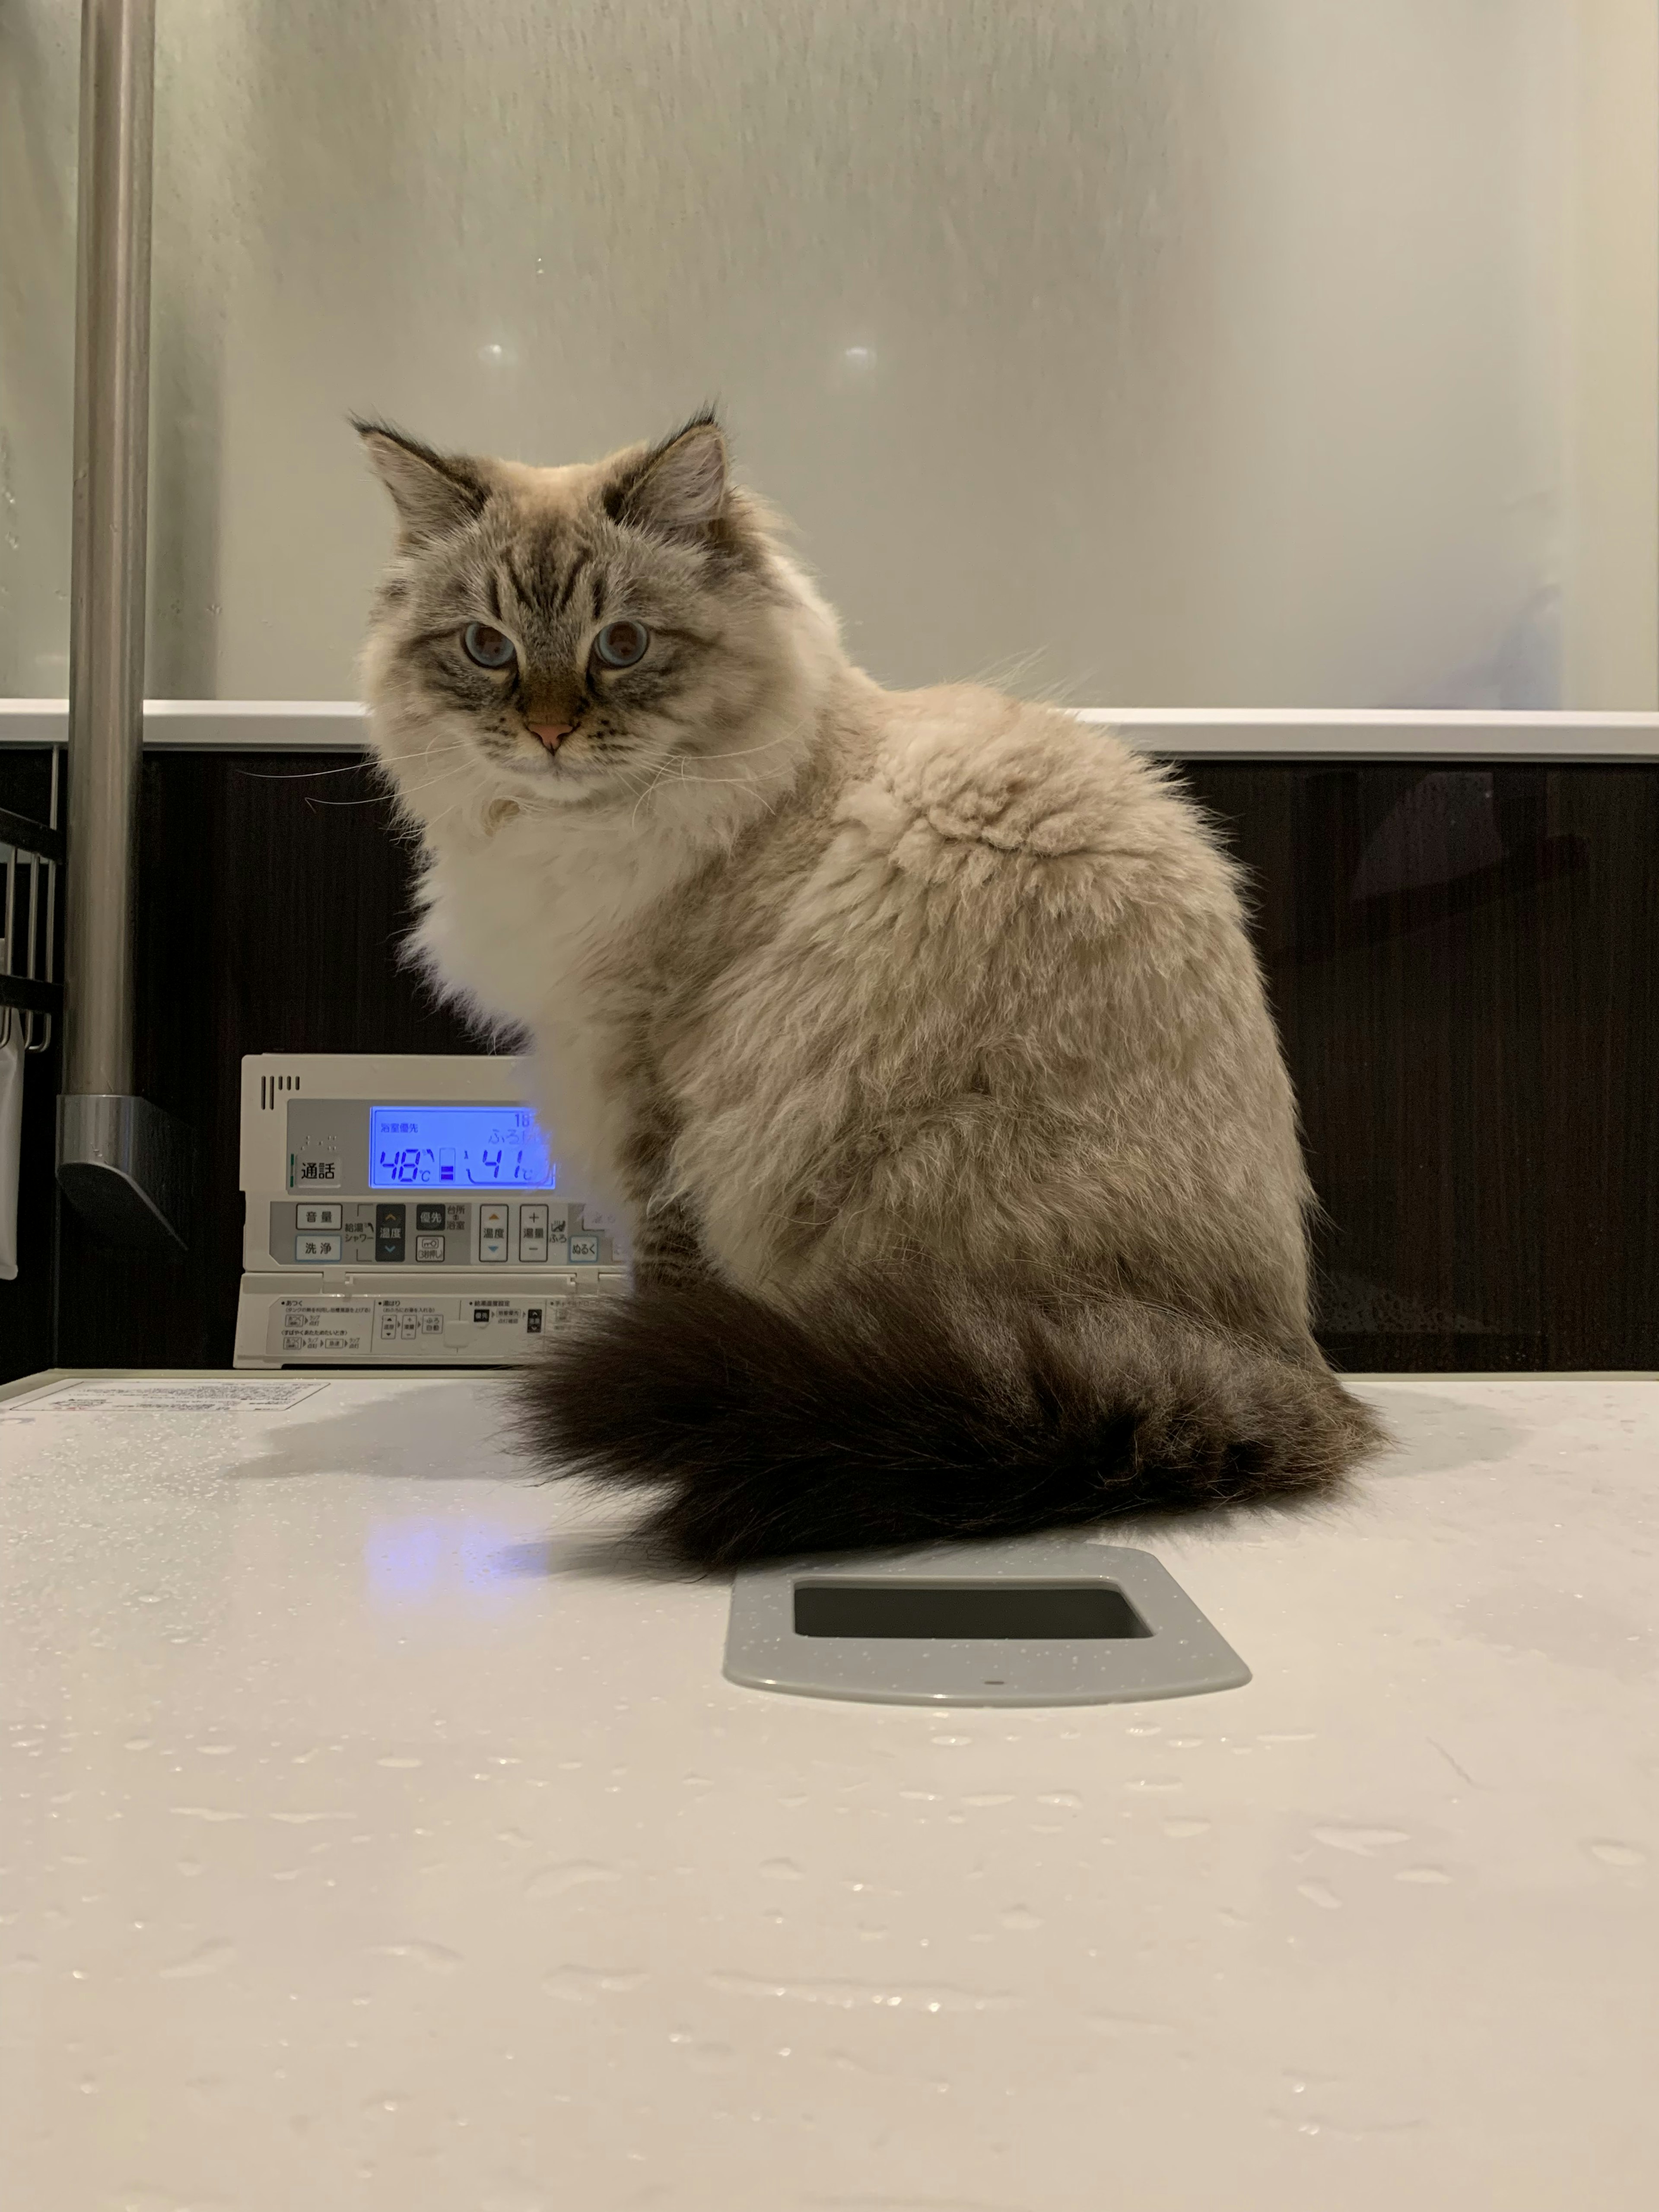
(462, 1148)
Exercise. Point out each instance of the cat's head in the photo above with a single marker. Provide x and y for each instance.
(585, 636)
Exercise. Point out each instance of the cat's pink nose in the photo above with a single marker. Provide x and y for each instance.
(551, 734)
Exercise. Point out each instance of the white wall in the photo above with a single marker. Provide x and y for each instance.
(1281, 352)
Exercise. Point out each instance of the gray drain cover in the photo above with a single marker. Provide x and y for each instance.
(1048, 1621)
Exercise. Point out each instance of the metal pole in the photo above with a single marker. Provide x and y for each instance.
(116, 1153)
(111, 457)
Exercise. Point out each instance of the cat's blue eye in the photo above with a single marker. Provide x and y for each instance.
(490, 648)
(622, 644)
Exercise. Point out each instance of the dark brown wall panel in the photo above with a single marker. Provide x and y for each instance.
(1461, 961)
(274, 894)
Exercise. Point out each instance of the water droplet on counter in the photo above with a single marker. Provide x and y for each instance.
(393, 1758)
(570, 1874)
(1181, 1829)
(1426, 1874)
(1361, 1841)
(781, 1870)
(211, 1958)
(139, 1743)
(1320, 1893)
(1065, 1797)
(1020, 1919)
(859, 1997)
(432, 1956)
(990, 1797)
(1618, 1855)
(207, 1813)
(585, 1984)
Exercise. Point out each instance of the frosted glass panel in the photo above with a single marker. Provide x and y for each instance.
(1148, 352)
(40, 79)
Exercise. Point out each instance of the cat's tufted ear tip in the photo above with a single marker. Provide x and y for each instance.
(680, 485)
(434, 493)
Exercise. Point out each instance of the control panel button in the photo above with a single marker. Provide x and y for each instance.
(492, 1220)
(429, 1217)
(429, 1248)
(532, 1232)
(492, 1248)
(318, 1248)
(389, 1226)
(316, 1217)
(584, 1251)
(532, 1321)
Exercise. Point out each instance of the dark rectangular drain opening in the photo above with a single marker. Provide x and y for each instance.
(1026, 1613)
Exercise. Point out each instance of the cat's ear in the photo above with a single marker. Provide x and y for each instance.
(434, 494)
(679, 488)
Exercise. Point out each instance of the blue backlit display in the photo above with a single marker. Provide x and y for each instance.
(458, 1147)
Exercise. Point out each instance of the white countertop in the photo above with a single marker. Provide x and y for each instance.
(370, 1843)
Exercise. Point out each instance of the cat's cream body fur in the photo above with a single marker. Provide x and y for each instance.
(840, 981)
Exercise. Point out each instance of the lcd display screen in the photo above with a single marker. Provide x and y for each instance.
(462, 1148)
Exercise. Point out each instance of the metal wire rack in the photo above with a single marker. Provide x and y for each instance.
(31, 861)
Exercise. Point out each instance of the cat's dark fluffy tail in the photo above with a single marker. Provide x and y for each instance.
(899, 1416)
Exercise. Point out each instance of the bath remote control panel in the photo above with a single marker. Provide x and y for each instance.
(406, 1208)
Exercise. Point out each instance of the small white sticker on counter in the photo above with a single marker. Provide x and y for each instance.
(122, 1394)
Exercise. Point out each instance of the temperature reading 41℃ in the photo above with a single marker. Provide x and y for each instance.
(457, 1147)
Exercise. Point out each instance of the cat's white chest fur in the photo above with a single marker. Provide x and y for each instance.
(519, 922)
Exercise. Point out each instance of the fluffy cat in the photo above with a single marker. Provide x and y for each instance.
(918, 1033)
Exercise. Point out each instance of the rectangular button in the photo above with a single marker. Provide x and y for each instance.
(429, 1248)
(584, 1251)
(532, 1232)
(388, 1222)
(492, 1248)
(532, 1321)
(316, 1217)
(492, 1221)
(317, 1248)
(429, 1217)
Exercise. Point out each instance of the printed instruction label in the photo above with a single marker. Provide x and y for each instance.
(333, 1327)
(122, 1394)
